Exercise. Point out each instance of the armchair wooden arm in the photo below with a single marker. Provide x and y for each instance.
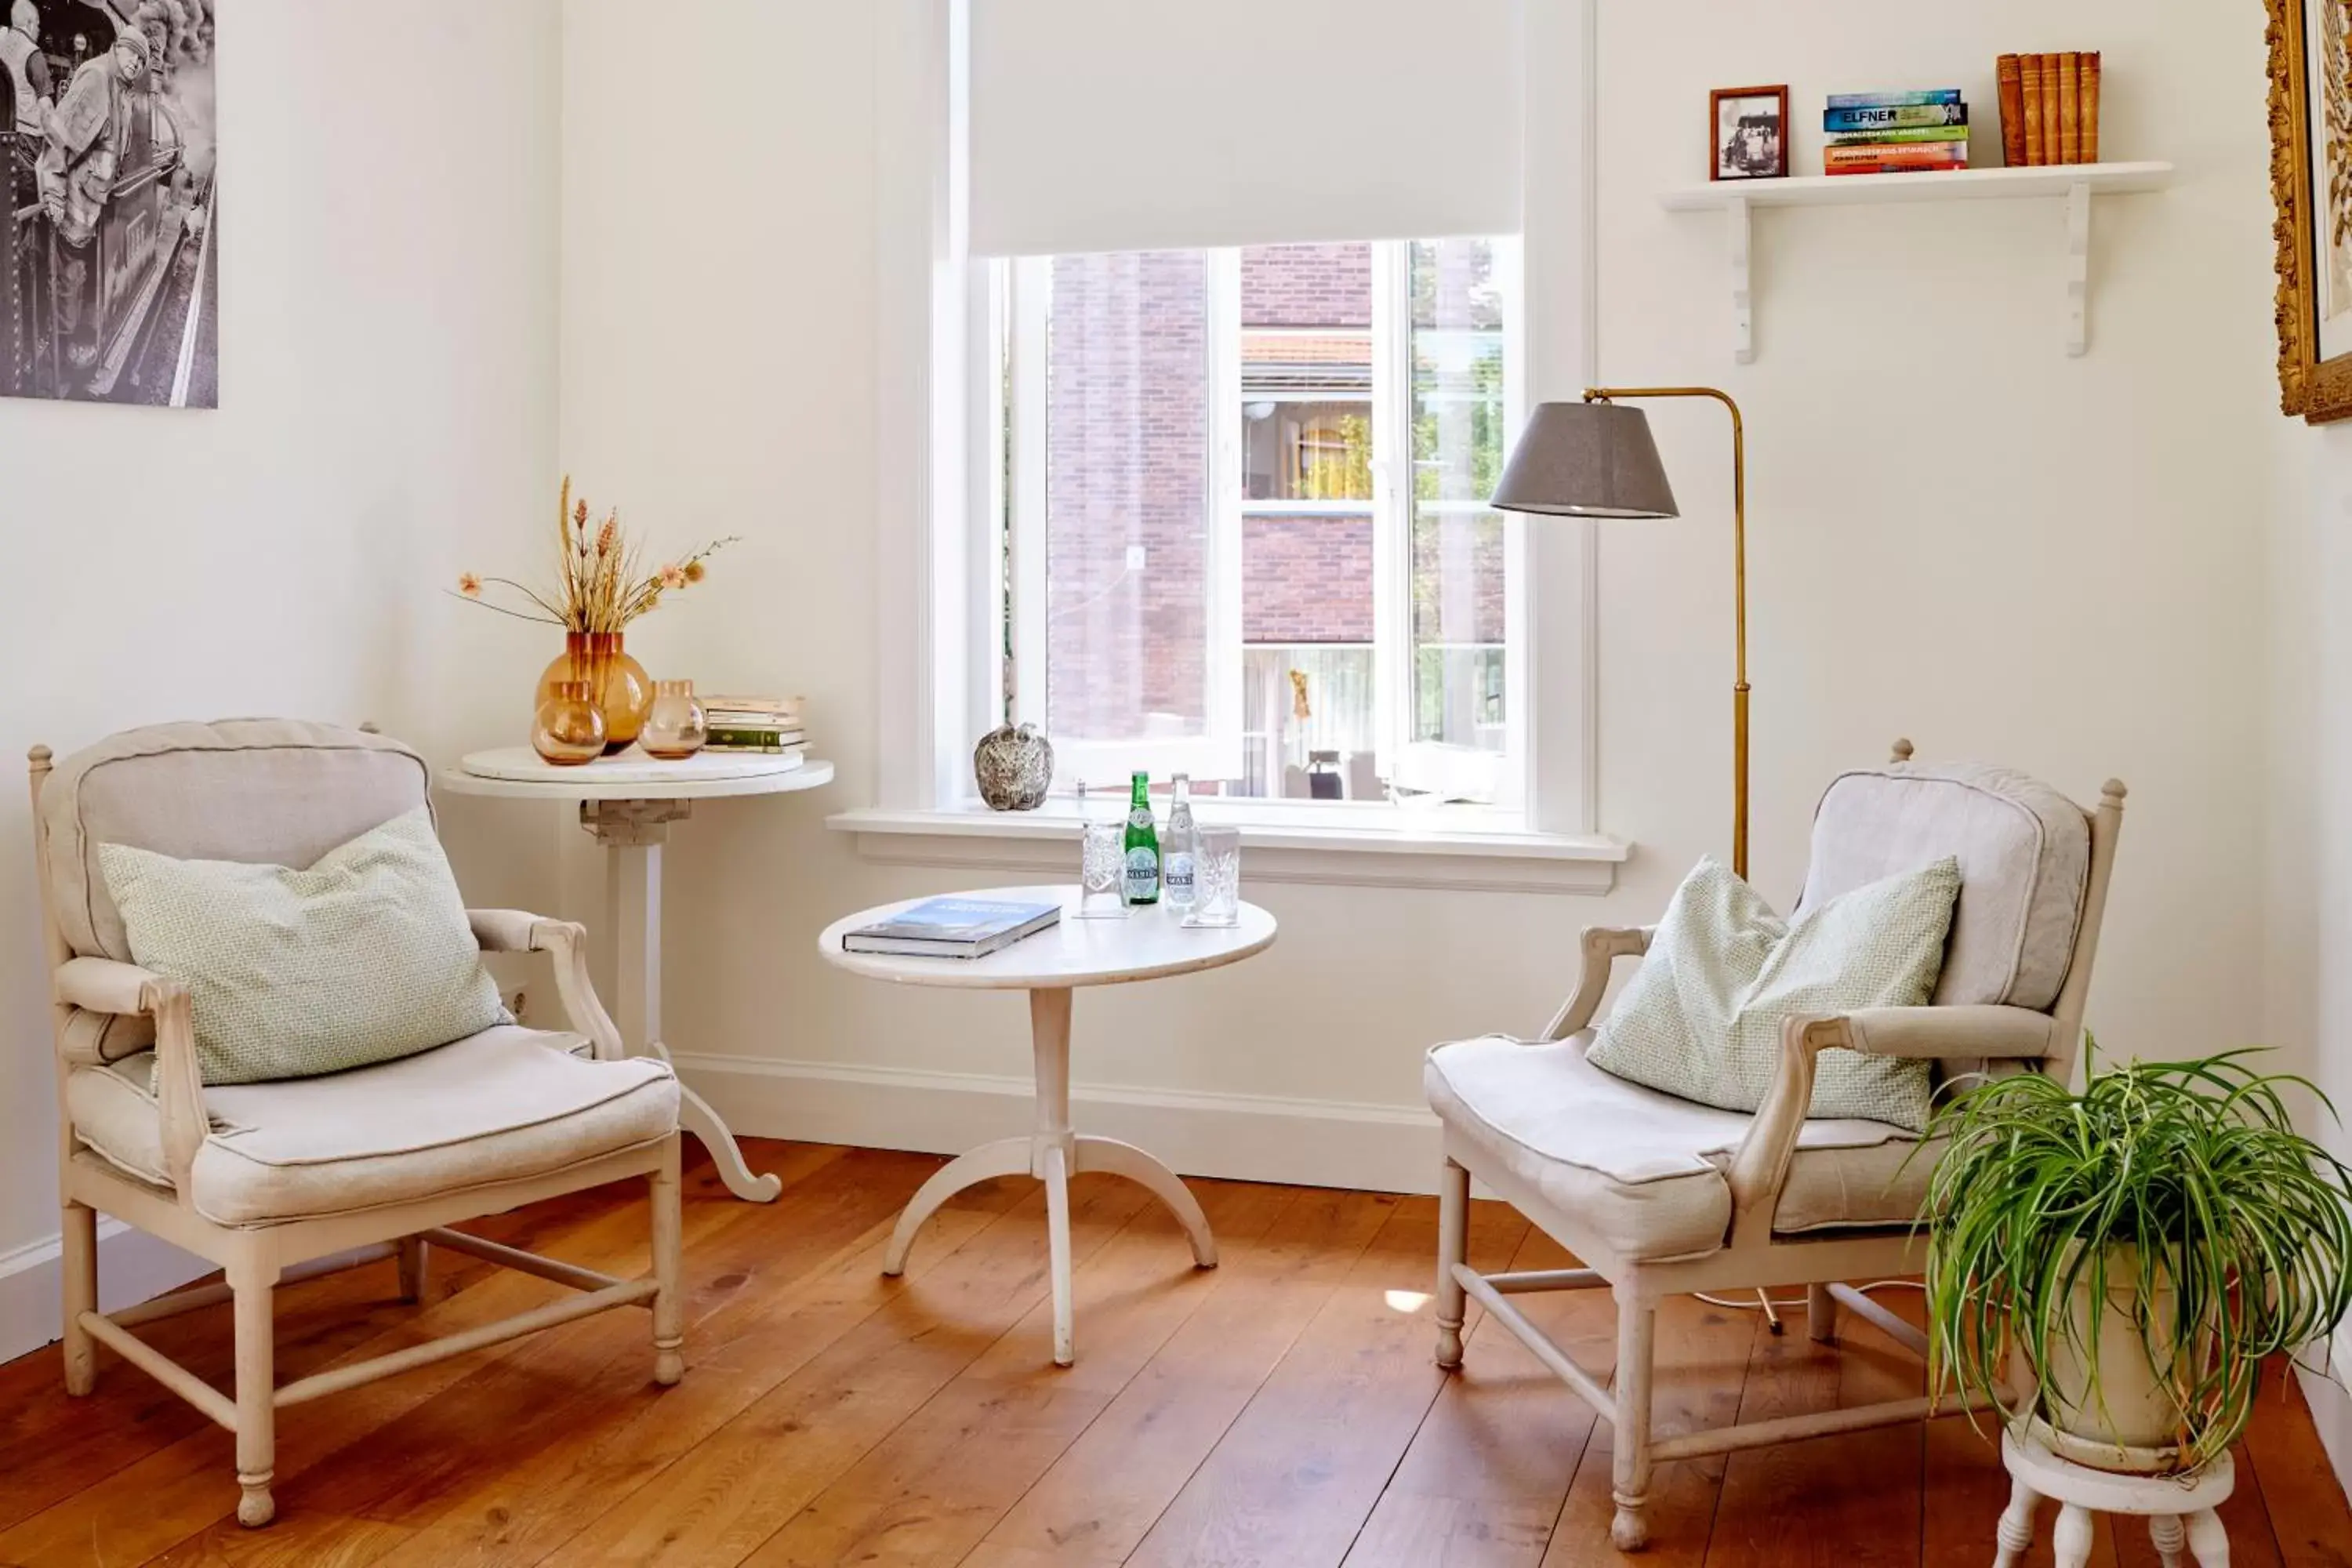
(1602, 945)
(1760, 1165)
(566, 944)
(104, 986)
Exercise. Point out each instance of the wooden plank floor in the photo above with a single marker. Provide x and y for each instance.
(1281, 1410)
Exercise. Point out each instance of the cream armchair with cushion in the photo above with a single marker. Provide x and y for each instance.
(273, 1181)
(1658, 1196)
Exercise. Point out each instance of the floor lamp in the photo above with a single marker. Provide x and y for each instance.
(1595, 458)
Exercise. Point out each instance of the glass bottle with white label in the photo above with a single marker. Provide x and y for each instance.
(1176, 849)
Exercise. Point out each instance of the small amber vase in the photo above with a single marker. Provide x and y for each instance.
(618, 683)
(569, 728)
(675, 725)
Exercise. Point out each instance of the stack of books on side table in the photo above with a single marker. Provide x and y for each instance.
(766, 724)
(1896, 132)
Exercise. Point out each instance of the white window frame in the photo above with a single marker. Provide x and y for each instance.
(1016, 397)
(934, 535)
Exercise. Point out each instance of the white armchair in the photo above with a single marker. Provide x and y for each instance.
(1657, 1196)
(276, 1180)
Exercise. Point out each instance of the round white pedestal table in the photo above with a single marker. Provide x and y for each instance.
(628, 802)
(1150, 943)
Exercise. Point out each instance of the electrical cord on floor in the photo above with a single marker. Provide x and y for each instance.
(1771, 1308)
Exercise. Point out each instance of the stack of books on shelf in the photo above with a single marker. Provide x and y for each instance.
(2049, 108)
(767, 724)
(1896, 132)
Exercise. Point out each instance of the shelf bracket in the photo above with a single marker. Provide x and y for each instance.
(1743, 310)
(2078, 269)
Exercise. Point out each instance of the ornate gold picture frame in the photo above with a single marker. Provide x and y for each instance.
(2311, 182)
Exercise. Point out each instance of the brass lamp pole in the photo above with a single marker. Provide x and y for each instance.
(1596, 459)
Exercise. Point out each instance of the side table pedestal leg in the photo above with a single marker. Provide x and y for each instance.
(632, 832)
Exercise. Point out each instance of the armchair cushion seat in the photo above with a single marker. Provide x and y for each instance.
(502, 1105)
(1646, 1172)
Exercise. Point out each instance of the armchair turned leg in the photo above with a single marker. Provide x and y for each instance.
(254, 1289)
(415, 1267)
(78, 1266)
(669, 1308)
(1821, 1313)
(1453, 1247)
(1637, 1324)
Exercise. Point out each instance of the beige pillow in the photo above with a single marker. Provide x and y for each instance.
(363, 957)
(1701, 1018)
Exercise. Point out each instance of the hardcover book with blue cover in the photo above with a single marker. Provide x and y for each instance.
(1880, 100)
(953, 928)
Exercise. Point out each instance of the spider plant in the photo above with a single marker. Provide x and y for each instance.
(2172, 1204)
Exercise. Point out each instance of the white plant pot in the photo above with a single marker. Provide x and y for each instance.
(2134, 1425)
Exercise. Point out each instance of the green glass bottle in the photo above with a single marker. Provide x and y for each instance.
(1142, 880)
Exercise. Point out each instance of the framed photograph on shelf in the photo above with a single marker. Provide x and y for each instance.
(2311, 183)
(1747, 133)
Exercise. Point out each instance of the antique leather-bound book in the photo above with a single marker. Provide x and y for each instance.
(2028, 69)
(2070, 110)
(2089, 91)
(2011, 77)
(2050, 82)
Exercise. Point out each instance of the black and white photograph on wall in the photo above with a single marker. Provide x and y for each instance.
(110, 269)
(1748, 127)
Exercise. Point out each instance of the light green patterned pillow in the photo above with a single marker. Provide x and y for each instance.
(1701, 1018)
(363, 957)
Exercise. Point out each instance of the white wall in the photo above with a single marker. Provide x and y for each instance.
(1958, 534)
(387, 367)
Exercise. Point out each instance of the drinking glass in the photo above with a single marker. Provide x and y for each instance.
(1102, 872)
(1216, 878)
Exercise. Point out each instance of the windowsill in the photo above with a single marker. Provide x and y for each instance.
(1281, 843)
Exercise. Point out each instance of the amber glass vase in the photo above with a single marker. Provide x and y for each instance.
(617, 682)
(569, 728)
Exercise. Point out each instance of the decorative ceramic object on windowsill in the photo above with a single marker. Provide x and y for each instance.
(1013, 765)
(2146, 1245)
(600, 585)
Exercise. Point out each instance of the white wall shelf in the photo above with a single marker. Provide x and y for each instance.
(2075, 183)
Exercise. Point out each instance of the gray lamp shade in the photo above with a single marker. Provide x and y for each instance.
(1586, 460)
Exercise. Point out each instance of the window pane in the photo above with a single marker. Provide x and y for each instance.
(1127, 496)
(1456, 544)
(1307, 429)
(1306, 722)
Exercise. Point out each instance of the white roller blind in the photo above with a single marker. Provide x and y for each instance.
(1152, 124)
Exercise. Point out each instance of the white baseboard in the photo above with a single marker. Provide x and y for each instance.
(2331, 1406)
(1244, 1137)
(132, 1267)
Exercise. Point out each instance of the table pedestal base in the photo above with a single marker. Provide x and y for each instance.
(633, 832)
(1053, 1155)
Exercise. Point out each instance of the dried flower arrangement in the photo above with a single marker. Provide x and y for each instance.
(600, 581)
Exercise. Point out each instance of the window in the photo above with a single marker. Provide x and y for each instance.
(1246, 501)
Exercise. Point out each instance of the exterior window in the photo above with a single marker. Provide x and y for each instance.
(1245, 491)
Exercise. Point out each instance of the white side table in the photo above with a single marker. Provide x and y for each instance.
(628, 802)
(1151, 943)
(2176, 1508)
